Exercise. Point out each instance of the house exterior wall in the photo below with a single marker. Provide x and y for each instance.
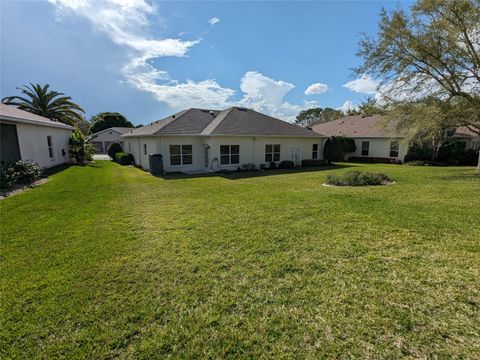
(103, 140)
(252, 150)
(32, 142)
(379, 147)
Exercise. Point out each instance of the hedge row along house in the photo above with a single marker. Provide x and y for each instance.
(30, 137)
(200, 140)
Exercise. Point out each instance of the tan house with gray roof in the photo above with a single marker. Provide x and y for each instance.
(199, 140)
(374, 137)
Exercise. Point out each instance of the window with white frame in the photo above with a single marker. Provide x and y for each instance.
(272, 152)
(181, 155)
(229, 154)
(50, 146)
(315, 151)
(394, 148)
(365, 148)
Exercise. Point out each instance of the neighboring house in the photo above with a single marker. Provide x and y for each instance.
(466, 136)
(101, 140)
(26, 136)
(197, 140)
(373, 136)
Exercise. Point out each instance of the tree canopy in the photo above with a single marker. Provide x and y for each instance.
(317, 115)
(53, 105)
(107, 120)
(428, 62)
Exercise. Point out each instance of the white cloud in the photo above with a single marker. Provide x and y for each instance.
(267, 95)
(347, 106)
(363, 85)
(214, 20)
(126, 23)
(316, 88)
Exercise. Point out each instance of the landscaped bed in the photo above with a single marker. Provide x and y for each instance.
(358, 178)
(105, 261)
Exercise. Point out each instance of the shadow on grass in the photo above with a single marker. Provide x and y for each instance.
(461, 175)
(56, 169)
(251, 174)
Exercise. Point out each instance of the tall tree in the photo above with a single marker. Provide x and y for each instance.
(370, 107)
(107, 120)
(433, 52)
(54, 105)
(317, 115)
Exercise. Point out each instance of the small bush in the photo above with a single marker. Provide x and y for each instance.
(286, 164)
(113, 149)
(248, 167)
(313, 162)
(358, 178)
(19, 173)
(124, 158)
(272, 165)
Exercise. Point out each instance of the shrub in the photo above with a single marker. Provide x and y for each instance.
(286, 164)
(358, 178)
(80, 150)
(124, 158)
(113, 149)
(313, 162)
(337, 146)
(272, 165)
(372, 160)
(248, 167)
(19, 173)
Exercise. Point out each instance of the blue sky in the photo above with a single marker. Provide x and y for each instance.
(148, 59)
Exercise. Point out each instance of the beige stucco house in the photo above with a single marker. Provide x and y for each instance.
(199, 140)
(30, 137)
(101, 140)
(373, 136)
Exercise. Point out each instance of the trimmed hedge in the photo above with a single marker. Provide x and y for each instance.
(114, 149)
(374, 160)
(286, 164)
(313, 162)
(124, 158)
(358, 178)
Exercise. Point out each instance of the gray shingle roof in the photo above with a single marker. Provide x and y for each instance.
(9, 112)
(233, 121)
(375, 126)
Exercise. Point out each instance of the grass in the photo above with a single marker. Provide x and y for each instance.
(105, 261)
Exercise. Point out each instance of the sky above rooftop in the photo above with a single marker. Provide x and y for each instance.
(148, 59)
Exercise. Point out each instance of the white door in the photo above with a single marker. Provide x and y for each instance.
(296, 155)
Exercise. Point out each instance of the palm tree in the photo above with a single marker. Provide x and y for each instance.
(50, 104)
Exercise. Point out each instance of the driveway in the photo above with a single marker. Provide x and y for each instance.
(101, 157)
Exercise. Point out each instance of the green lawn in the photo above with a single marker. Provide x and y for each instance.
(105, 261)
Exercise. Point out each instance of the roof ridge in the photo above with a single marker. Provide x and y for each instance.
(216, 121)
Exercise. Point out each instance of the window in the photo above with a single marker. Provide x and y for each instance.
(144, 149)
(50, 147)
(272, 152)
(365, 148)
(181, 155)
(229, 154)
(129, 147)
(315, 151)
(394, 147)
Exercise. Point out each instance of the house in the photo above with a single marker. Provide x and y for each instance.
(374, 137)
(101, 140)
(27, 136)
(470, 139)
(199, 140)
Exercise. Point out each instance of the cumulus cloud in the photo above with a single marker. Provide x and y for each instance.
(347, 106)
(316, 88)
(363, 85)
(267, 95)
(126, 23)
(214, 20)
